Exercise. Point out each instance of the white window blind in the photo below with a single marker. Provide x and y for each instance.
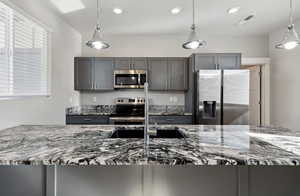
(23, 55)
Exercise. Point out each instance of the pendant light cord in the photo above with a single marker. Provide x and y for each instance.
(193, 12)
(98, 14)
(193, 25)
(291, 12)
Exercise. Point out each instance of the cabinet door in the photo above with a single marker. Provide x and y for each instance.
(103, 73)
(139, 63)
(192, 180)
(83, 73)
(102, 180)
(87, 120)
(171, 120)
(22, 180)
(205, 61)
(158, 73)
(229, 61)
(122, 63)
(177, 74)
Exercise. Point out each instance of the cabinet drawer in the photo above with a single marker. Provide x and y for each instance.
(87, 120)
(171, 120)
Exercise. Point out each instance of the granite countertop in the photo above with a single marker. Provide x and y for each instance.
(106, 110)
(203, 145)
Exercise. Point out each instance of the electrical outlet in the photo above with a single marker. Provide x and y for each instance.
(94, 99)
(175, 99)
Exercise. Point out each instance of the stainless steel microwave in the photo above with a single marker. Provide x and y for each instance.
(125, 79)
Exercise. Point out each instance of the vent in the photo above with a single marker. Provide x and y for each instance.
(246, 19)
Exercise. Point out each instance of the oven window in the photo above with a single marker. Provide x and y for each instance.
(127, 79)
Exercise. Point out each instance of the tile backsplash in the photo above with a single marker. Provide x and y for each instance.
(107, 98)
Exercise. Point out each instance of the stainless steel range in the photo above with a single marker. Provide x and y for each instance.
(129, 111)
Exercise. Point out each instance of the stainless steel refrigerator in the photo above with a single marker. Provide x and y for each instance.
(222, 97)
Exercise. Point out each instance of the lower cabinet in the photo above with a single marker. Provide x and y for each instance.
(87, 120)
(161, 180)
(171, 120)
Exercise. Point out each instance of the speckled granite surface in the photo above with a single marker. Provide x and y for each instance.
(204, 145)
(109, 109)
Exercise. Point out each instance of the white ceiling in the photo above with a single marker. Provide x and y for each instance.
(154, 17)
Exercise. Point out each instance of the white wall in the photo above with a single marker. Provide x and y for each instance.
(156, 98)
(166, 45)
(170, 45)
(285, 83)
(66, 43)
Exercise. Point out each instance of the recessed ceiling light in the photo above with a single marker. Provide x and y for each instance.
(176, 10)
(65, 6)
(118, 11)
(233, 10)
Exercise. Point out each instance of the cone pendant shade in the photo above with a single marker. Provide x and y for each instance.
(97, 41)
(291, 38)
(290, 41)
(193, 42)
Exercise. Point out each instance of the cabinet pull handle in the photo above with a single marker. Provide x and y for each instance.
(87, 119)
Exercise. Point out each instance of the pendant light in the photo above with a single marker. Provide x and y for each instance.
(193, 41)
(291, 39)
(97, 42)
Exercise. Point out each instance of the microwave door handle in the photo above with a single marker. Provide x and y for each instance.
(139, 80)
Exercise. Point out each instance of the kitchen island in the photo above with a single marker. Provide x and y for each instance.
(202, 145)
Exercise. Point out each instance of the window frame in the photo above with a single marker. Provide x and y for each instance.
(49, 52)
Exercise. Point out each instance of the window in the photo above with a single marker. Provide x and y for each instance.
(24, 55)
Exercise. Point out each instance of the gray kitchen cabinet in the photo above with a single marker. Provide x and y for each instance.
(139, 63)
(158, 73)
(92, 74)
(275, 181)
(95, 181)
(83, 73)
(205, 61)
(168, 74)
(177, 74)
(122, 63)
(217, 61)
(87, 120)
(22, 180)
(128, 63)
(171, 120)
(103, 74)
(229, 61)
(191, 181)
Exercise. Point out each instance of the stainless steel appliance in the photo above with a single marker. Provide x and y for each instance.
(129, 79)
(222, 97)
(129, 111)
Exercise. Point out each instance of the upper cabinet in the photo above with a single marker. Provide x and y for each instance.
(93, 73)
(217, 61)
(127, 63)
(178, 74)
(164, 74)
(157, 74)
(83, 73)
(229, 61)
(103, 73)
(168, 74)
